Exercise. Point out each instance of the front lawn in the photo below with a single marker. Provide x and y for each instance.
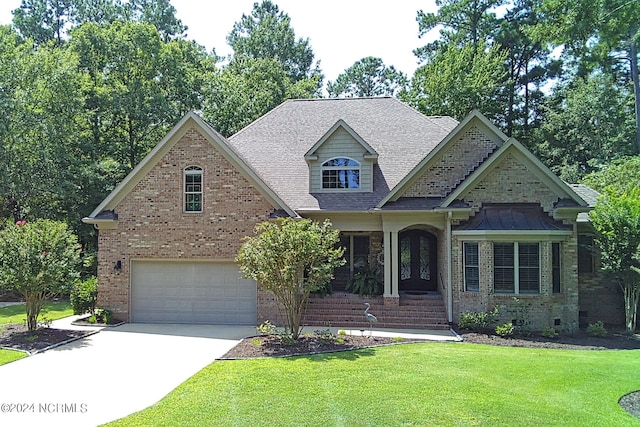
(410, 384)
(52, 310)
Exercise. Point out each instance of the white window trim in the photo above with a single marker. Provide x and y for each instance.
(187, 171)
(465, 265)
(324, 168)
(516, 271)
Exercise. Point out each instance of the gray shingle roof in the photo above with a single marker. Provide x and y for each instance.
(275, 145)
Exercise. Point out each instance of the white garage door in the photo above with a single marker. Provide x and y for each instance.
(190, 292)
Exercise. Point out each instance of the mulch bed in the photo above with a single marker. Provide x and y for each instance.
(272, 345)
(18, 337)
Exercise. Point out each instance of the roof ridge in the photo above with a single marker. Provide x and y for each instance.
(430, 118)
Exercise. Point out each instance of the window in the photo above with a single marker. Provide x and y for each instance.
(341, 173)
(555, 267)
(356, 253)
(585, 255)
(523, 258)
(471, 267)
(193, 189)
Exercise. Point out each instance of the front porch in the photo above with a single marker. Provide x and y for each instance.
(342, 309)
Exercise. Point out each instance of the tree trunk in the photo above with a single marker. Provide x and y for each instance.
(636, 85)
(34, 301)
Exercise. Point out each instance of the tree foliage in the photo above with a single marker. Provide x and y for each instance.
(619, 176)
(39, 260)
(616, 219)
(368, 77)
(291, 258)
(267, 33)
(587, 125)
(455, 80)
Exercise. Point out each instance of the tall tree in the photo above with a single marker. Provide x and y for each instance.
(267, 33)
(456, 80)
(159, 13)
(587, 124)
(460, 22)
(598, 34)
(42, 20)
(40, 134)
(134, 94)
(368, 77)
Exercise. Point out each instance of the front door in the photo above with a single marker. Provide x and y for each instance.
(417, 260)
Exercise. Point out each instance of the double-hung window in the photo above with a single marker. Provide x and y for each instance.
(471, 267)
(516, 268)
(193, 189)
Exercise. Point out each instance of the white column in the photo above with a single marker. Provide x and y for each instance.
(388, 262)
(394, 270)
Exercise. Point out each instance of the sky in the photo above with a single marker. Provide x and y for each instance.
(340, 32)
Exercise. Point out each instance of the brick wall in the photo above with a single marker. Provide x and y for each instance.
(454, 163)
(511, 182)
(152, 223)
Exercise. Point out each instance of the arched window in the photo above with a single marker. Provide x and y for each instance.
(193, 189)
(341, 172)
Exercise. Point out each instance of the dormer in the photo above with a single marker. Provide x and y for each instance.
(341, 161)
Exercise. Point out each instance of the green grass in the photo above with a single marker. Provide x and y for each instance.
(52, 310)
(407, 385)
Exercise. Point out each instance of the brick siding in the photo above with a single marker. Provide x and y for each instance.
(152, 223)
(460, 157)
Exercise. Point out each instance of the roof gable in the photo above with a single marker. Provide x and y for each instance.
(189, 121)
(473, 119)
(369, 153)
(525, 158)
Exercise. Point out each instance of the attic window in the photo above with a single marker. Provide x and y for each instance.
(341, 173)
(193, 189)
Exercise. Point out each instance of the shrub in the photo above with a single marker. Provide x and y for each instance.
(103, 315)
(505, 330)
(478, 321)
(84, 296)
(366, 281)
(597, 329)
(267, 328)
(324, 335)
(549, 332)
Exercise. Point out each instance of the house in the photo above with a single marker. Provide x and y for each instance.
(457, 216)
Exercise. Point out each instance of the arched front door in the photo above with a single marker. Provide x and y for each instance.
(417, 261)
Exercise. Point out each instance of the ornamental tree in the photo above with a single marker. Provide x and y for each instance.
(616, 219)
(291, 258)
(39, 260)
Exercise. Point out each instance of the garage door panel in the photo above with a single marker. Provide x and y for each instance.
(183, 292)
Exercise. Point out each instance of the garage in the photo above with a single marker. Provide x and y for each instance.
(191, 292)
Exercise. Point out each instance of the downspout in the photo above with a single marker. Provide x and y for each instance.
(449, 290)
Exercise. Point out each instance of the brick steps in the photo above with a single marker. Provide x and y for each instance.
(413, 312)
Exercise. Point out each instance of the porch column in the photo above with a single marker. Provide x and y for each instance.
(388, 263)
(394, 264)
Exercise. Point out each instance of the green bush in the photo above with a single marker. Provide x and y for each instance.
(366, 281)
(505, 330)
(84, 296)
(478, 321)
(549, 332)
(597, 329)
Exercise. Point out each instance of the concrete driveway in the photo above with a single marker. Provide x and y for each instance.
(110, 374)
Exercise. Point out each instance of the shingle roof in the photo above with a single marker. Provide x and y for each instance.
(275, 145)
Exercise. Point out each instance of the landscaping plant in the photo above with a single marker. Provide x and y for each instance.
(84, 296)
(616, 219)
(366, 281)
(39, 260)
(291, 258)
